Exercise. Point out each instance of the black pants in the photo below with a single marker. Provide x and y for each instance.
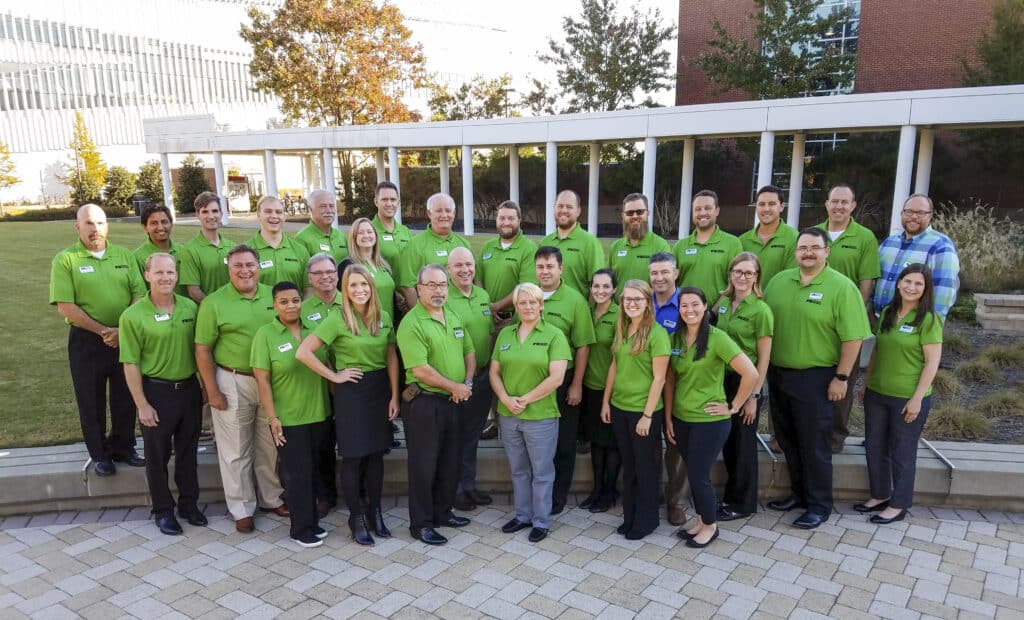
(699, 444)
(740, 456)
(472, 420)
(841, 420)
(297, 457)
(565, 450)
(326, 462)
(640, 467)
(362, 473)
(802, 414)
(432, 435)
(179, 408)
(94, 365)
(891, 445)
(604, 454)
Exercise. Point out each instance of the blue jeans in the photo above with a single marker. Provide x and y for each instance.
(891, 446)
(530, 446)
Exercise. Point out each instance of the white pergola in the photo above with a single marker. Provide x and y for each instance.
(912, 113)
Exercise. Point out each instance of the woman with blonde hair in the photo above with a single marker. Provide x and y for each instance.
(364, 249)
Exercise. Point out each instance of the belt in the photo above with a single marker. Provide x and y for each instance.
(174, 385)
(245, 373)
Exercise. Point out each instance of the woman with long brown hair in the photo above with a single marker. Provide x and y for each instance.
(364, 249)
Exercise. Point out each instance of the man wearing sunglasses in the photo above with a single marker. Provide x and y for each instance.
(629, 256)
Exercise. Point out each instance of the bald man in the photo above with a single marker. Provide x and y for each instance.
(432, 246)
(92, 283)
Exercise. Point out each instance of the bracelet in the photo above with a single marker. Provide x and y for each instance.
(649, 417)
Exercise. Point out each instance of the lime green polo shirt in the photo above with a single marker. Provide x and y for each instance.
(205, 265)
(582, 255)
(300, 395)
(775, 255)
(633, 262)
(499, 269)
(314, 241)
(700, 383)
(147, 249)
(600, 358)
(228, 321)
(314, 310)
(634, 372)
(425, 248)
(568, 311)
(102, 287)
(160, 344)
(899, 355)
(285, 263)
(385, 284)
(854, 253)
(751, 320)
(706, 265)
(392, 242)
(475, 311)
(524, 365)
(425, 341)
(364, 351)
(813, 320)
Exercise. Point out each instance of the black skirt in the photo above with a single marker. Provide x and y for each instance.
(361, 415)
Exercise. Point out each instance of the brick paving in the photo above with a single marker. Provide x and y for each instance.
(112, 564)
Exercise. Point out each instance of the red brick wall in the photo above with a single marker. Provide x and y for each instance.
(695, 20)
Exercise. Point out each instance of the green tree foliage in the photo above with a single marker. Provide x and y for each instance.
(191, 182)
(785, 58)
(608, 61)
(7, 176)
(149, 183)
(120, 187)
(480, 98)
(86, 173)
(539, 101)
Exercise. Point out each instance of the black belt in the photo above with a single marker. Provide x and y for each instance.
(174, 385)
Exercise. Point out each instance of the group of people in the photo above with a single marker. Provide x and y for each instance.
(309, 347)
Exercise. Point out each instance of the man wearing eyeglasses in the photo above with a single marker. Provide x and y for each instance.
(430, 246)
(704, 256)
(321, 236)
(438, 353)
(919, 243)
(629, 256)
(818, 333)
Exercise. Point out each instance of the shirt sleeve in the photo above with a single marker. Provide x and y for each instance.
(136, 284)
(931, 330)
(945, 278)
(407, 266)
(188, 269)
(764, 322)
(528, 264)
(596, 257)
(129, 338)
(869, 267)
(659, 343)
(207, 330)
(411, 344)
(725, 349)
(851, 320)
(259, 357)
(559, 349)
(467, 340)
(62, 287)
(582, 326)
(329, 329)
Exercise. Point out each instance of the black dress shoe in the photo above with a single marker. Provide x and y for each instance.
(358, 531)
(377, 524)
(557, 507)
(693, 544)
(455, 521)
(602, 504)
(880, 520)
(464, 503)
(538, 534)
(808, 521)
(193, 516)
(513, 526)
(133, 459)
(726, 513)
(622, 529)
(786, 504)
(429, 535)
(104, 468)
(167, 524)
(479, 497)
(587, 503)
(876, 508)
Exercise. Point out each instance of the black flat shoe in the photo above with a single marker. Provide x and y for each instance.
(104, 468)
(880, 520)
(358, 531)
(429, 535)
(622, 529)
(557, 507)
(808, 521)
(513, 526)
(456, 521)
(876, 508)
(193, 516)
(538, 534)
(728, 514)
(168, 525)
(479, 497)
(602, 504)
(587, 503)
(132, 460)
(693, 544)
(682, 534)
(377, 524)
(786, 504)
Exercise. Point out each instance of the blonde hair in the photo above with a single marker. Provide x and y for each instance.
(529, 289)
(643, 332)
(355, 252)
(373, 310)
(730, 291)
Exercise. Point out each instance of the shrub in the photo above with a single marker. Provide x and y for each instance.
(991, 250)
(978, 369)
(956, 343)
(52, 215)
(1001, 404)
(946, 383)
(1004, 357)
(965, 308)
(951, 421)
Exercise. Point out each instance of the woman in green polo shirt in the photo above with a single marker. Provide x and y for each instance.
(295, 400)
(527, 366)
(633, 405)
(365, 378)
(697, 414)
(743, 314)
(604, 455)
(897, 399)
(364, 249)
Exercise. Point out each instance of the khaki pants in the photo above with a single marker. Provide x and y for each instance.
(245, 449)
(676, 487)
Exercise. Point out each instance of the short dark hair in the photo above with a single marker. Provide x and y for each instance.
(284, 285)
(241, 248)
(634, 196)
(511, 204)
(663, 257)
(706, 192)
(769, 189)
(814, 231)
(846, 185)
(205, 198)
(547, 251)
(605, 271)
(149, 211)
(384, 185)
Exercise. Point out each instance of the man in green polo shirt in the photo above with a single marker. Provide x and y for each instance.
(704, 256)
(438, 354)
(157, 336)
(227, 321)
(567, 310)
(432, 246)
(506, 260)
(630, 256)
(392, 235)
(92, 283)
(819, 327)
(581, 250)
(281, 259)
(321, 235)
(771, 240)
(204, 259)
(157, 223)
(853, 252)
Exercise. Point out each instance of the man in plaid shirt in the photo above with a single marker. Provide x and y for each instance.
(919, 243)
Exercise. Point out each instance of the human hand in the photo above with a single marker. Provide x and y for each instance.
(749, 412)
(911, 410)
(110, 337)
(393, 409)
(575, 395)
(216, 399)
(670, 435)
(606, 414)
(349, 375)
(718, 409)
(837, 390)
(148, 416)
(643, 426)
(462, 393)
(277, 432)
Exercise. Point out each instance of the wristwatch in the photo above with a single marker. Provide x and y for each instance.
(468, 382)
(842, 377)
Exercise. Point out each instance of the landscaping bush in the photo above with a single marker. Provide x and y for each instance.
(991, 250)
(965, 307)
(1001, 404)
(52, 215)
(946, 383)
(951, 421)
(956, 343)
(978, 369)
(1004, 357)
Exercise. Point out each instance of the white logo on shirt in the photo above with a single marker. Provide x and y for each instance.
(388, 237)
(505, 347)
(161, 317)
(266, 264)
(324, 247)
(458, 332)
(815, 296)
(86, 269)
(314, 317)
(623, 252)
(487, 256)
(285, 347)
(441, 252)
(668, 323)
(690, 251)
(907, 329)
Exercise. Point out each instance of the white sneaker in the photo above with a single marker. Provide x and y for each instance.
(308, 541)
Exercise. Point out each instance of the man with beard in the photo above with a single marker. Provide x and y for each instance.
(704, 256)
(582, 253)
(321, 235)
(281, 259)
(432, 246)
(157, 223)
(772, 241)
(204, 259)
(506, 260)
(630, 256)
(392, 236)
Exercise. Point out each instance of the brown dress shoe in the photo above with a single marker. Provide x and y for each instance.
(244, 525)
(281, 511)
(676, 515)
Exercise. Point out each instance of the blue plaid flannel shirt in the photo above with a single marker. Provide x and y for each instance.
(931, 248)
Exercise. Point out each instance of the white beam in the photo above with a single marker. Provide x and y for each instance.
(904, 167)
(327, 163)
(593, 187)
(467, 189)
(686, 187)
(393, 169)
(650, 162)
(924, 161)
(165, 177)
(765, 160)
(221, 181)
(381, 174)
(513, 173)
(445, 182)
(270, 172)
(550, 186)
(796, 181)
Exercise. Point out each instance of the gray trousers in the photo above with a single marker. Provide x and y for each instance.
(891, 447)
(530, 446)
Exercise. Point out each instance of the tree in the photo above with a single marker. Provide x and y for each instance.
(149, 183)
(86, 173)
(191, 182)
(120, 187)
(7, 176)
(479, 98)
(608, 61)
(539, 101)
(787, 56)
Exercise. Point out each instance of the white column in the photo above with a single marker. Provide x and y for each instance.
(686, 187)
(796, 181)
(593, 187)
(165, 176)
(467, 189)
(308, 174)
(443, 168)
(650, 160)
(764, 161)
(327, 163)
(381, 174)
(270, 172)
(393, 168)
(550, 186)
(221, 180)
(924, 161)
(513, 173)
(904, 167)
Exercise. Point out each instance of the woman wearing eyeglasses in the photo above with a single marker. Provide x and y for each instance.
(743, 315)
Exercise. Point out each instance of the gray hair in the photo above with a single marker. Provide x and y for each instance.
(316, 193)
(664, 257)
(156, 255)
(429, 267)
(316, 258)
(439, 197)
